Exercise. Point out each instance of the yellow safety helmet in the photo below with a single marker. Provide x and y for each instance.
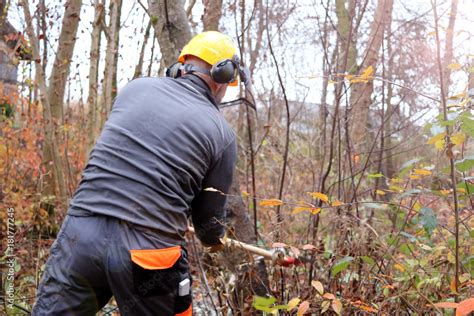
(212, 47)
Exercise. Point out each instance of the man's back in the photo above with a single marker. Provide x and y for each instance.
(161, 141)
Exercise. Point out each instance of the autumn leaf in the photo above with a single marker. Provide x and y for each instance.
(336, 203)
(318, 286)
(304, 306)
(315, 210)
(465, 307)
(271, 202)
(436, 138)
(380, 192)
(422, 172)
(454, 66)
(325, 306)
(293, 303)
(279, 245)
(458, 138)
(308, 247)
(318, 195)
(446, 305)
(329, 296)
(337, 306)
(300, 209)
(244, 194)
(399, 267)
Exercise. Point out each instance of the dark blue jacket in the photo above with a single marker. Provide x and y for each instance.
(163, 143)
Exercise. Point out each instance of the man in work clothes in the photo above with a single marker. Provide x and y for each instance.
(164, 142)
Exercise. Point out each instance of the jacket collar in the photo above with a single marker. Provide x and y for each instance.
(201, 86)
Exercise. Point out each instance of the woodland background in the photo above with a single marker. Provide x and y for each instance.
(359, 158)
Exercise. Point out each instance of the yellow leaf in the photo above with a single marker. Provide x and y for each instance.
(318, 286)
(379, 192)
(422, 172)
(367, 73)
(318, 195)
(454, 66)
(451, 258)
(436, 138)
(325, 306)
(315, 210)
(271, 202)
(458, 138)
(331, 82)
(414, 177)
(444, 192)
(399, 267)
(396, 180)
(337, 306)
(293, 303)
(300, 209)
(337, 203)
(245, 194)
(440, 144)
(304, 306)
(417, 206)
(433, 33)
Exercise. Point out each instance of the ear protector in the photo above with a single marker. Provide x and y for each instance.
(224, 71)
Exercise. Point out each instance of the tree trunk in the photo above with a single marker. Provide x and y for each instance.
(50, 140)
(172, 28)
(139, 66)
(212, 14)
(94, 71)
(55, 95)
(361, 93)
(109, 86)
(448, 50)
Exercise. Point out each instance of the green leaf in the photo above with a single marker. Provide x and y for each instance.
(368, 260)
(341, 265)
(467, 126)
(263, 303)
(428, 219)
(465, 187)
(465, 164)
(375, 175)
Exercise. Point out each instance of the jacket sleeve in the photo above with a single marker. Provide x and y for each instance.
(208, 208)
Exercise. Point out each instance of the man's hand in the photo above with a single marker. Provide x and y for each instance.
(218, 247)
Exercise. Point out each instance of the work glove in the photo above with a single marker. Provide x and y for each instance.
(217, 247)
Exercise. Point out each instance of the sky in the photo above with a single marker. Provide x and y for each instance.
(299, 57)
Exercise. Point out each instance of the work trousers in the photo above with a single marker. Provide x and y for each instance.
(96, 257)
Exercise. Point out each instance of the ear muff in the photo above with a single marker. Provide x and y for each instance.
(174, 71)
(224, 71)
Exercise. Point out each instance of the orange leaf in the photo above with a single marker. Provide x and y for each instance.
(337, 306)
(329, 296)
(271, 202)
(446, 305)
(315, 210)
(452, 285)
(465, 307)
(304, 306)
(318, 195)
(336, 203)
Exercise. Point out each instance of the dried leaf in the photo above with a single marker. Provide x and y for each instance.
(293, 303)
(271, 202)
(337, 306)
(329, 296)
(337, 203)
(304, 306)
(446, 305)
(309, 247)
(318, 286)
(325, 306)
(279, 245)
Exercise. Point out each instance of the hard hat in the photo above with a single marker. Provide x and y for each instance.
(212, 47)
